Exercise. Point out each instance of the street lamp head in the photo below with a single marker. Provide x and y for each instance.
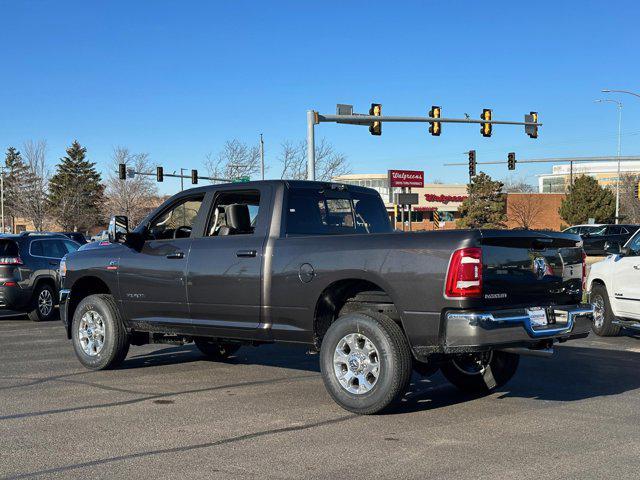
(605, 90)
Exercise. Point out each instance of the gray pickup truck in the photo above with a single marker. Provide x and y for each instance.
(319, 264)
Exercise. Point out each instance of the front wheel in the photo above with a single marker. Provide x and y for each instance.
(480, 373)
(42, 305)
(603, 317)
(100, 339)
(365, 361)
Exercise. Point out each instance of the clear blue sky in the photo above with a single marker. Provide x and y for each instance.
(176, 79)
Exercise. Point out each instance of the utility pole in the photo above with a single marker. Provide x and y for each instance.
(619, 106)
(182, 179)
(312, 119)
(2, 196)
(262, 156)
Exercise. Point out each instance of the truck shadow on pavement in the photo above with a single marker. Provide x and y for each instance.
(574, 373)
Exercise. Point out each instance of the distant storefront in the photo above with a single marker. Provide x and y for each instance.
(433, 197)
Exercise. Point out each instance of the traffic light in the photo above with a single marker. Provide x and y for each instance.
(194, 177)
(511, 160)
(376, 127)
(531, 130)
(435, 127)
(159, 174)
(472, 163)
(122, 171)
(485, 128)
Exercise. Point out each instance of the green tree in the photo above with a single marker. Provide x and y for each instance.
(485, 207)
(76, 191)
(15, 177)
(587, 199)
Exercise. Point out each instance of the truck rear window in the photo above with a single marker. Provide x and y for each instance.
(311, 212)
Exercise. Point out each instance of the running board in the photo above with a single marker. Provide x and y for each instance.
(539, 352)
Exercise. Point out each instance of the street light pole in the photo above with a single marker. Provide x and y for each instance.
(606, 90)
(619, 106)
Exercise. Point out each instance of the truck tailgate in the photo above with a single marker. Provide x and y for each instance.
(531, 268)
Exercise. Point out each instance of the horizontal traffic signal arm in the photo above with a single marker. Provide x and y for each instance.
(364, 119)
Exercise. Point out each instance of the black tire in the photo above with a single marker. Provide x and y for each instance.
(216, 350)
(603, 316)
(115, 339)
(40, 311)
(480, 373)
(392, 354)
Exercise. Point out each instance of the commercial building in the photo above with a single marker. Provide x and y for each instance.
(605, 172)
(433, 197)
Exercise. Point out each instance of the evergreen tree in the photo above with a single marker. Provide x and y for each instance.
(587, 199)
(75, 190)
(485, 206)
(15, 177)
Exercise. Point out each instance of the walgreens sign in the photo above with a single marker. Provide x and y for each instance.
(406, 178)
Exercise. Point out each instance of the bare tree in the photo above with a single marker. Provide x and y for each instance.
(523, 210)
(329, 163)
(629, 202)
(517, 185)
(133, 197)
(236, 159)
(31, 203)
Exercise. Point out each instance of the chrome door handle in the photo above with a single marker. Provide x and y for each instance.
(246, 253)
(176, 255)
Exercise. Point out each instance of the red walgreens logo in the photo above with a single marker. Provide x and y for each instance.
(406, 178)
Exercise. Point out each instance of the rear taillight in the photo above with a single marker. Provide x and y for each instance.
(584, 271)
(10, 261)
(464, 277)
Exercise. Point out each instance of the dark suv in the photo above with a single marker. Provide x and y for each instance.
(29, 280)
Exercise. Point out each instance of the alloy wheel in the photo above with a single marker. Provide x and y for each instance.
(598, 311)
(45, 302)
(356, 363)
(91, 333)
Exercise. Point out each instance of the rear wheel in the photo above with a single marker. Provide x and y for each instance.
(480, 373)
(100, 339)
(216, 350)
(365, 361)
(603, 316)
(42, 304)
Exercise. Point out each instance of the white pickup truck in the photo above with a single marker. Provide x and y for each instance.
(614, 288)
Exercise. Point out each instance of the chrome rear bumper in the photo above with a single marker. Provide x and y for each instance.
(477, 329)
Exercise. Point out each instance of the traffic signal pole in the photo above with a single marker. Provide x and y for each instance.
(314, 118)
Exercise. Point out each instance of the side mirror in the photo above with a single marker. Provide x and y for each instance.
(612, 248)
(586, 235)
(118, 228)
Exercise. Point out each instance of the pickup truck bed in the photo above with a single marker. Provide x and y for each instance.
(318, 263)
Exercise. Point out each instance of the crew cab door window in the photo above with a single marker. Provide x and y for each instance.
(177, 221)
(234, 213)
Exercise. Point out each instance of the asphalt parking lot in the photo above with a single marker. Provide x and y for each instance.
(168, 413)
